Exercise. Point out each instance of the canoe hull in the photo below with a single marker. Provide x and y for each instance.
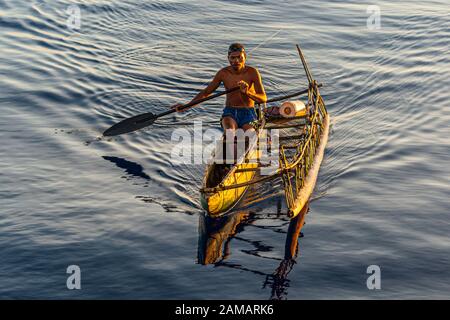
(222, 201)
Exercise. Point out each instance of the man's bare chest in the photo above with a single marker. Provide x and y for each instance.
(231, 80)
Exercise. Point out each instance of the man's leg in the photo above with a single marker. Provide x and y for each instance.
(248, 126)
(249, 133)
(229, 123)
(230, 126)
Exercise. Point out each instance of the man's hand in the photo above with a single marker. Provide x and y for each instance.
(243, 86)
(178, 107)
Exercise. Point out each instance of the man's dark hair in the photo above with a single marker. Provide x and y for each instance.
(236, 47)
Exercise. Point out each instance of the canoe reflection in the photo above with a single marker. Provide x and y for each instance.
(216, 234)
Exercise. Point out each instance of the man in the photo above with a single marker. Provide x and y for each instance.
(239, 109)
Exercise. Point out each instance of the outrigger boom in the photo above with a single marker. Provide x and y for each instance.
(301, 151)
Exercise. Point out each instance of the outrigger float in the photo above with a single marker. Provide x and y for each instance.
(302, 140)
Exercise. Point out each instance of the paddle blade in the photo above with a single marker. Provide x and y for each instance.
(131, 124)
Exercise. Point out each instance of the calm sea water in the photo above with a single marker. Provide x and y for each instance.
(130, 218)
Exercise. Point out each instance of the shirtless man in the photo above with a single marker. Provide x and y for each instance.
(239, 109)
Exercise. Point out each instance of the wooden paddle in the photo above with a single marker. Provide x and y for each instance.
(146, 119)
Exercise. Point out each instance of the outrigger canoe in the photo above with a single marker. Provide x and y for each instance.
(301, 144)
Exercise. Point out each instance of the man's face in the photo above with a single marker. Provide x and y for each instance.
(237, 60)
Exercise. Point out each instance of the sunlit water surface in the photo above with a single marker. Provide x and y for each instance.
(130, 217)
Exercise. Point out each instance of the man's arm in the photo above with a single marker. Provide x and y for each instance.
(212, 86)
(260, 95)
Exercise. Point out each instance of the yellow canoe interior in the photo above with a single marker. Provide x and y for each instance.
(223, 201)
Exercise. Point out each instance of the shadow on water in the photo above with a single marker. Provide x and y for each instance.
(131, 168)
(214, 246)
(135, 171)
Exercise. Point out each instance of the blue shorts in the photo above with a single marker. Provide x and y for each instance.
(240, 115)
